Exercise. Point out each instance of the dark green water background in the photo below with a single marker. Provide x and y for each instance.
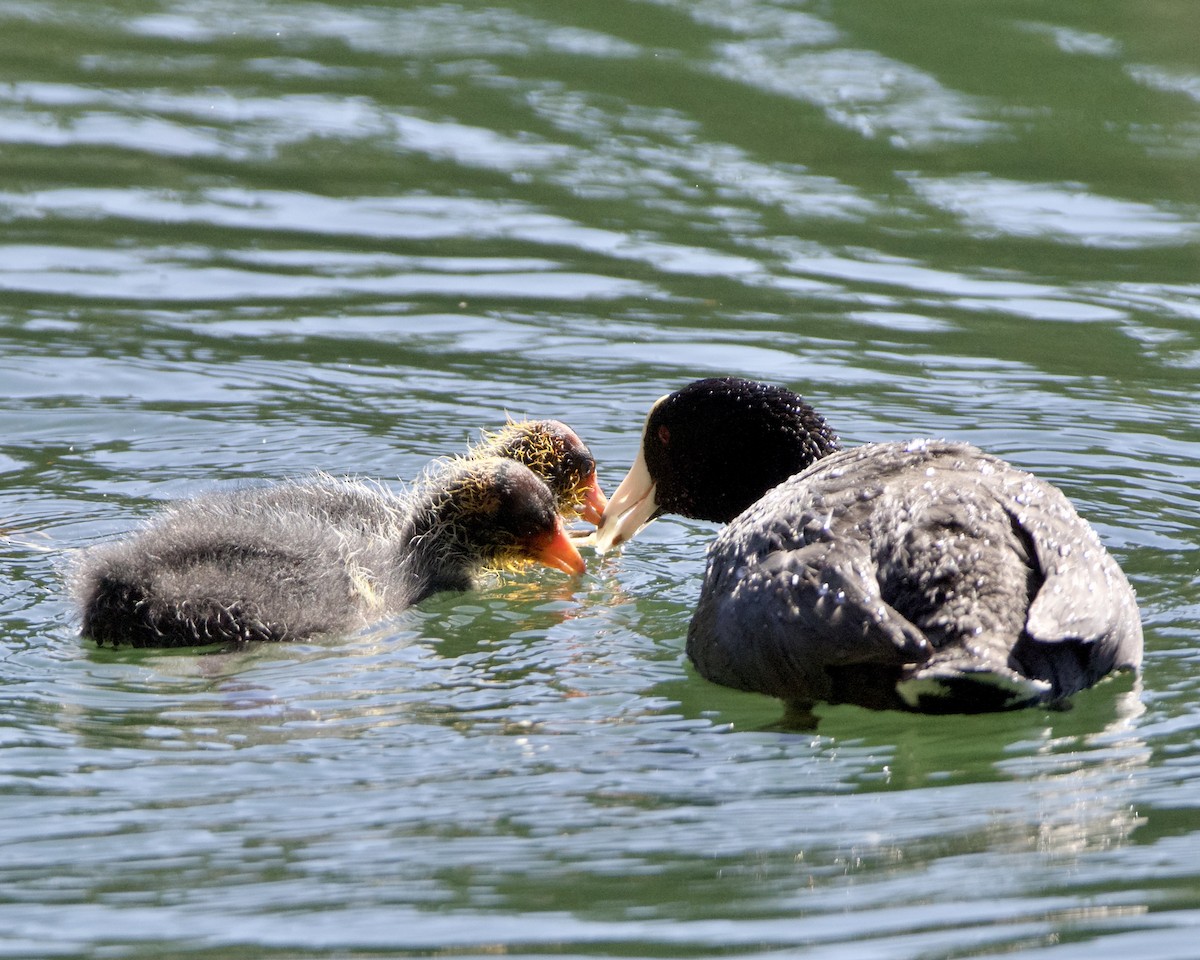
(251, 240)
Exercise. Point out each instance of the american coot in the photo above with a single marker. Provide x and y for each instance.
(324, 555)
(924, 575)
(555, 453)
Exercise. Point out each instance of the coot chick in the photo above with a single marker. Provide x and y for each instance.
(326, 555)
(555, 453)
(923, 575)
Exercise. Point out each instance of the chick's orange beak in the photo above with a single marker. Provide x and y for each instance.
(594, 501)
(555, 549)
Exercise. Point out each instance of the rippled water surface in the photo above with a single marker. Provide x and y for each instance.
(250, 240)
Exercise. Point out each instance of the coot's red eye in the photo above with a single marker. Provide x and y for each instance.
(664, 436)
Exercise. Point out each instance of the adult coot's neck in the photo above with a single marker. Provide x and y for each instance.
(712, 449)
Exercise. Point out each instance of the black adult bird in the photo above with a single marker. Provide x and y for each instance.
(924, 575)
(293, 560)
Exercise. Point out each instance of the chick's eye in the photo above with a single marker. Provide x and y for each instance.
(529, 526)
(664, 436)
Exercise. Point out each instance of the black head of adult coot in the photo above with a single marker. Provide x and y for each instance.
(710, 450)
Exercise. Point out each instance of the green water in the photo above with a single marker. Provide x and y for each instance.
(244, 241)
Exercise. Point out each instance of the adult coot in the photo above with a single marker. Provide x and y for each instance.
(924, 575)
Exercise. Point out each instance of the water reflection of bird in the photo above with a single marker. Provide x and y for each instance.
(296, 559)
(924, 575)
